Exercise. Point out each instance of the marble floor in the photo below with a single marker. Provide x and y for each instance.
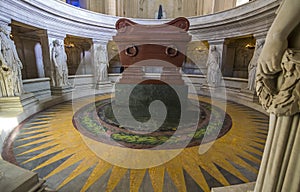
(49, 144)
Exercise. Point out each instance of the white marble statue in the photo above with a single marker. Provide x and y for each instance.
(213, 67)
(101, 63)
(59, 70)
(253, 64)
(278, 87)
(10, 66)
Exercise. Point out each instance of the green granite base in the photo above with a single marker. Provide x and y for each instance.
(140, 96)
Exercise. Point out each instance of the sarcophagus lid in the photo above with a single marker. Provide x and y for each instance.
(165, 42)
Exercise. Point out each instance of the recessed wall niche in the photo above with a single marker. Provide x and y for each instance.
(196, 58)
(27, 40)
(79, 59)
(239, 52)
(113, 58)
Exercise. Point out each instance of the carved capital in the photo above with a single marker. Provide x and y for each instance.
(280, 94)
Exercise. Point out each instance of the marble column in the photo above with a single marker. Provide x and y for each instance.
(56, 64)
(12, 94)
(111, 7)
(220, 5)
(100, 64)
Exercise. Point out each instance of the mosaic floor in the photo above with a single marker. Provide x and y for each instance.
(48, 143)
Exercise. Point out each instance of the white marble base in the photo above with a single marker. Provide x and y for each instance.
(40, 87)
(17, 103)
(103, 85)
(213, 91)
(13, 178)
(248, 95)
(58, 91)
(247, 187)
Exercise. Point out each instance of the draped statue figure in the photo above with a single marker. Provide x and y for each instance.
(253, 64)
(278, 87)
(10, 66)
(101, 63)
(59, 69)
(213, 67)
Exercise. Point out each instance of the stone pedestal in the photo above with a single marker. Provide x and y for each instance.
(135, 100)
(140, 46)
(171, 75)
(246, 187)
(17, 103)
(213, 91)
(58, 91)
(16, 179)
(103, 85)
(248, 95)
(132, 75)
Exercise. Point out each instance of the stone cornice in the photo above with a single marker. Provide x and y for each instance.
(252, 18)
(60, 18)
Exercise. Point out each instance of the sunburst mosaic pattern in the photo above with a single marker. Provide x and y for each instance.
(49, 144)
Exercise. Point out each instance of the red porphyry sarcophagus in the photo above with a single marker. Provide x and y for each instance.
(166, 42)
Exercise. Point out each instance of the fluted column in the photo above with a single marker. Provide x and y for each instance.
(189, 7)
(111, 7)
(220, 5)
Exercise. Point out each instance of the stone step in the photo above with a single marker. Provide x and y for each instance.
(17, 179)
(246, 187)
